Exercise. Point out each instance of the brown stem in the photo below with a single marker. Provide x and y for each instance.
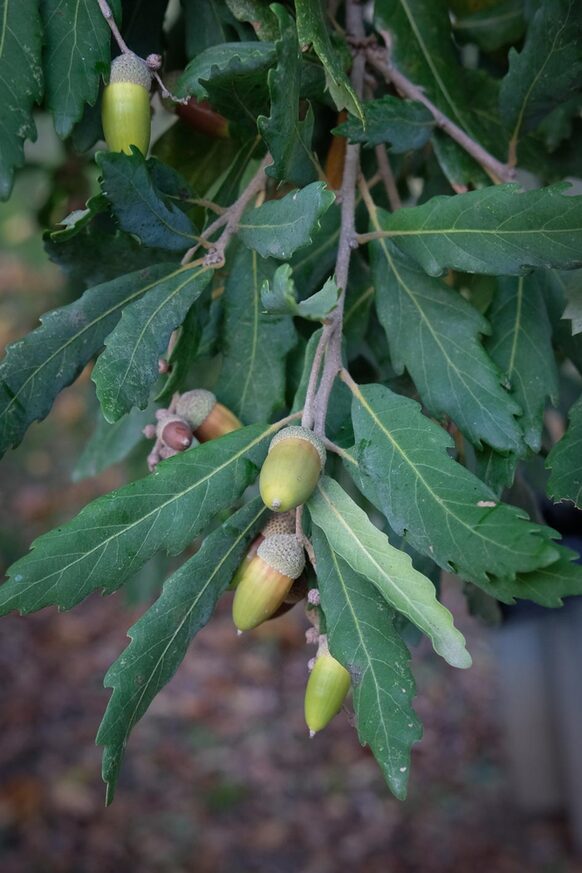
(388, 178)
(377, 58)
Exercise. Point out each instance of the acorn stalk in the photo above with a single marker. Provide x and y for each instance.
(292, 468)
(266, 580)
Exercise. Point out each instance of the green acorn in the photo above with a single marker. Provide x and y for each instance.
(208, 418)
(125, 111)
(292, 468)
(253, 549)
(266, 579)
(327, 687)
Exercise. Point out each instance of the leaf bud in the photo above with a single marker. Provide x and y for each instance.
(326, 690)
(292, 468)
(266, 580)
(208, 418)
(125, 111)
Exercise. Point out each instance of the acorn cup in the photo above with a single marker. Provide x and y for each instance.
(125, 111)
(326, 690)
(292, 468)
(266, 580)
(277, 524)
(208, 418)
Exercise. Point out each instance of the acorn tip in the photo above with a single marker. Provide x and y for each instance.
(312, 734)
(239, 633)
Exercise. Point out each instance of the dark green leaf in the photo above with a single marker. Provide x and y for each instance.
(252, 379)
(554, 285)
(77, 51)
(236, 59)
(546, 71)
(207, 23)
(362, 636)
(548, 585)
(45, 361)
(565, 461)
(279, 297)
(200, 159)
(314, 262)
(435, 334)
(312, 30)
(401, 123)
(259, 14)
(496, 231)
(140, 206)
(497, 471)
(521, 346)
(288, 138)
(112, 537)
(352, 536)
(142, 22)
(403, 467)
(280, 227)
(573, 311)
(127, 369)
(20, 83)
(493, 27)
(160, 639)
(111, 443)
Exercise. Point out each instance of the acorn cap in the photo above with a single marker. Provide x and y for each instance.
(129, 68)
(284, 554)
(282, 523)
(300, 433)
(195, 406)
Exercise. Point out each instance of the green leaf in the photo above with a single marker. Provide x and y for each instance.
(112, 537)
(423, 49)
(554, 286)
(287, 137)
(259, 15)
(20, 83)
(497, 471)
(140, 206)
(127, 369)
(494, 27)
(573, 311)
(403, 124)
(314, 262)
(112, 443)
(435, 334)
(77, 220)
(280, 297)
(521, 346)
(45, 361)
(280, 227)
(160, 639)
(547, 70)
(77, 51)
(548, 585)
(312, 30)
(351, 534)
(403, 467)
(362, 636)
(496, 231)
(565, 461)
(207, 24)
(254, 344)
(235, 59)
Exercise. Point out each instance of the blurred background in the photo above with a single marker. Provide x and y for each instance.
(220, 774)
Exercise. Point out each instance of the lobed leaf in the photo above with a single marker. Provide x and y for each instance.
(351, 534)
(279, 227)
(279, 297)
(400, 462)
(565, 461)
(160, 639)
(126, 370)
(113, 536)
(403, 124)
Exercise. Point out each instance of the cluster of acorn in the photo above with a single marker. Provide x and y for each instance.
(271, 577)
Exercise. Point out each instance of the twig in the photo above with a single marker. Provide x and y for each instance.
(153, 61)
(377, 58)
(229, 220)
(388, 177)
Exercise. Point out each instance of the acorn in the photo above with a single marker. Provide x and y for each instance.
(125, 111)
(252, 551)
(266, 580)
(208, 418)
(326, 690)
(292, 468)
(175, 433)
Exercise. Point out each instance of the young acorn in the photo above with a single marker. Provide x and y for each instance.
(277, 524)
(208, 418)
(125, 111)
(266, 580)
(175, 433)
(327, 687)
(292, 468)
